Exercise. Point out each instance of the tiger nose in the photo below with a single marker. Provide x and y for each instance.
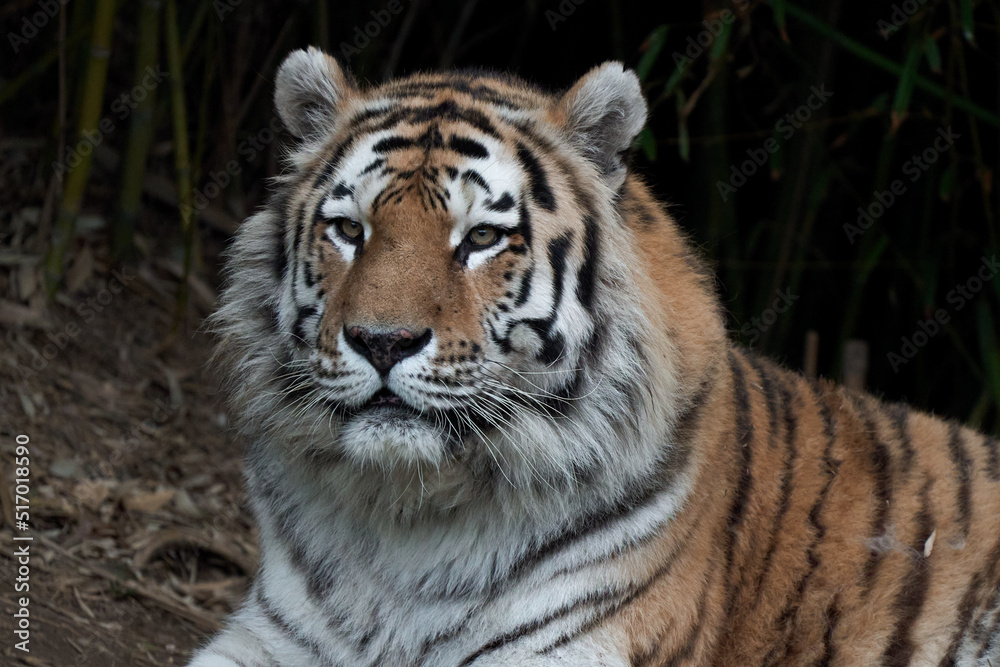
(383, 350)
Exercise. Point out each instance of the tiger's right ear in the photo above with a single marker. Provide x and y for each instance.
(308, 88)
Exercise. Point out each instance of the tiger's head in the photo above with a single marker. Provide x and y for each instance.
(458, 281)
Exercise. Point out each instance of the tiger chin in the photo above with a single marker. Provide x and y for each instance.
(493, 416)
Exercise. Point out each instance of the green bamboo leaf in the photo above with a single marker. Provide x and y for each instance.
(933, 54)
(876, 59)
(683, 137)
(675, 79)
(965, 7)
(654, 44)
(721, 42)
(647, 142)
(907, 81)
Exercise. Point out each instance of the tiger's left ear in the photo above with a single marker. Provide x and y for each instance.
(603, 112)
(309, 87)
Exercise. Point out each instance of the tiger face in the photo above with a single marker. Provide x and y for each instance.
(451, 278)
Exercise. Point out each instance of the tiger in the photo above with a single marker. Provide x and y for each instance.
(493, 415)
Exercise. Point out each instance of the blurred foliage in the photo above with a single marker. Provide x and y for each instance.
(794, 138)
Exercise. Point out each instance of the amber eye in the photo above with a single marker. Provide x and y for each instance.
(483, 236)
(349, 229)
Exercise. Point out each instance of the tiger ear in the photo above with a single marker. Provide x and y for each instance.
(308, 87)
(604, 111)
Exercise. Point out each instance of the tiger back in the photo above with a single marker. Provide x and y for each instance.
(493, 416)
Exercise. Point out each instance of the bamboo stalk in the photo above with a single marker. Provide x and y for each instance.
(90, 111)
(182, 158)
(141, 129)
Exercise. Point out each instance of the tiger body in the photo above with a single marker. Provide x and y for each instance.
(494, 418)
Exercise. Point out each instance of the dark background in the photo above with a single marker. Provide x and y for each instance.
(782, 230)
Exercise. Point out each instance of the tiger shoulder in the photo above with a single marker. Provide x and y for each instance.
(493, 416)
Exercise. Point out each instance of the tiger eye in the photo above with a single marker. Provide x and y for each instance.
(350, 228)
(483, 236)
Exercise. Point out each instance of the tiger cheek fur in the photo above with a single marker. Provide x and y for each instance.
(493, 416)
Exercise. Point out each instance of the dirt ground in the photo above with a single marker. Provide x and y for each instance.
(140, 540)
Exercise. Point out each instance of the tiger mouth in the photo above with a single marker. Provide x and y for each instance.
(384, 398)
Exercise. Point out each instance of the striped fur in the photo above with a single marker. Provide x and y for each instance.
(570, 464)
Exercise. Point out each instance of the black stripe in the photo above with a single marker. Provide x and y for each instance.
(978, 586)
(553, 343)
(473, 176)
(637, 496)
(829, 468)
(280, 255)
(429, 89)
(371, 114)
(586, 277)
(988, 638)
(525, 288)
(299, 218)
(468, 147)
(770, 400)
(239, 662)
(981, 634)
(832, 619)
(913, 590)
(524, 223)
(341, 191)
(787, 475)
(900, 415)
(691, 641)
(558, 247)
(373, 166)
(970, 600)
(390, 144)
(502, 205)
(449, 110)
(993, 457)
(744, 443)
(881, 468)
(431, 138)
(305, 312)
(538, 624)
(630, 595)
(540, 190)
(287, 629)
(330, 165)
(963, 466)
